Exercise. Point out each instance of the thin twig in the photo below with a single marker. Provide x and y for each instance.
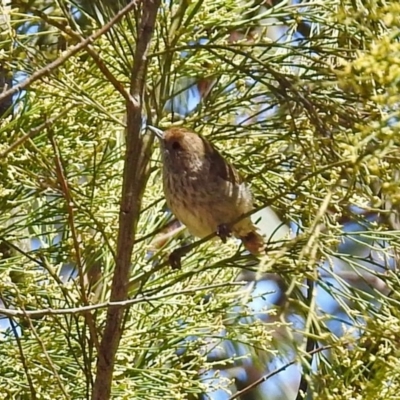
(46, 124)
(71, 52)
(71, 221)
(48, 358)
(264, 378)
(21, 352)
(89, 49)
(310, 342)
(45, 353)
(116, 304)
(311, 248)
(42, 262)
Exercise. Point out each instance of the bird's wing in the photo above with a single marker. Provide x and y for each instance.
(219, 165)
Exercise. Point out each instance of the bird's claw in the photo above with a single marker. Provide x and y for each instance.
(224, 231)
(175, 259)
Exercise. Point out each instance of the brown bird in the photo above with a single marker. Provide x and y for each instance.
(204, 191)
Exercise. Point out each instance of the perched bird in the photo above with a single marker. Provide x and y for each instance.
(203, 190)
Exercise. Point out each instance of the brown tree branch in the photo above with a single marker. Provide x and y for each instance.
(75, 238)
(136, 173)
(89, 49)
(71, 52)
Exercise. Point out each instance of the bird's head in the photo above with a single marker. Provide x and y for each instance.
(182, 149)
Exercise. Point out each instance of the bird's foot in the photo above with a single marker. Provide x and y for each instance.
(175, 257)
(224, 232)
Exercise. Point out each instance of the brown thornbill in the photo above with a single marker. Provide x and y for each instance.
(204, 191)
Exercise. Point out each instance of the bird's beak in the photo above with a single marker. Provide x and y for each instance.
(158, 132)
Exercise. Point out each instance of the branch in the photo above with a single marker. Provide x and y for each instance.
(74, 234)
(46, 124)
(264, 378)
(21, 353)
(52, 367)
(46, 355)
(136, 173)
(89, 49)
(72, 51)
(310, 343)
(34, 314)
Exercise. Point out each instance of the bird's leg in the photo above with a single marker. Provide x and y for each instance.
(224, 231)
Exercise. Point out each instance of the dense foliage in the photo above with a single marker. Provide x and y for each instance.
(302, 98)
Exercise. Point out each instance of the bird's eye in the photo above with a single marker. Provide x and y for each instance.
(176, 145)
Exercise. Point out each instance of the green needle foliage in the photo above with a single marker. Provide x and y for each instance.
(302, 98)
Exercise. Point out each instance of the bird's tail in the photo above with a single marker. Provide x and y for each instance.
(254, 242)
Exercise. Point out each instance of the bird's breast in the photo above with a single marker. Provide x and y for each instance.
(202, 204)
